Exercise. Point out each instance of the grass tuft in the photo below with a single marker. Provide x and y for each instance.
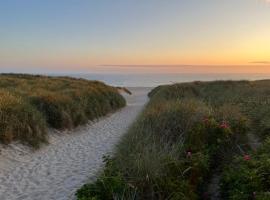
(30, 104)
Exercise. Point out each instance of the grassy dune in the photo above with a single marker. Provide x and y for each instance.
(186, 132)
(30, 104)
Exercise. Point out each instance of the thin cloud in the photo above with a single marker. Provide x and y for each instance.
(264, 1)
(260, 62)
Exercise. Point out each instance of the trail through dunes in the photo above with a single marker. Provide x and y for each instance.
(57, 170)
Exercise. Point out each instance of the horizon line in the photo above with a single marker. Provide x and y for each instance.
(262, 63)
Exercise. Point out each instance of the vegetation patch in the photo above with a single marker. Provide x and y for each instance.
(248, 176)
(185, 132)
(30, 104)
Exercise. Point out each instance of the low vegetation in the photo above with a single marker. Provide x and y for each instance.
(30, 104)
(248, 177)
(186, 132)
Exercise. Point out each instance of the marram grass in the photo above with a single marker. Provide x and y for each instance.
(30, 104)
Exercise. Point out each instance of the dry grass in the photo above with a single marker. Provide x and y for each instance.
(29, 104)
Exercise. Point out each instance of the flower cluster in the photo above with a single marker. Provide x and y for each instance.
(189, 154)
(224, 125)
(206, 120)
(247, 157)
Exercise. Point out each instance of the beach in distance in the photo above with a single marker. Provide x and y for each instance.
(155, 79)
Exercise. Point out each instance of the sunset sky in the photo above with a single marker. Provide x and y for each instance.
(126, 35)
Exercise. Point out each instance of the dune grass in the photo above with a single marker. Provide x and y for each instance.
(30, 104)
(185, 132)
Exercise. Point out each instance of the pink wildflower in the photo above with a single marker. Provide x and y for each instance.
(224, 125)
(206, 120)
(247, 157)
(189, 154)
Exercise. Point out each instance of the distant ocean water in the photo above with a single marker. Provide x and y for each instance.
(152, 80)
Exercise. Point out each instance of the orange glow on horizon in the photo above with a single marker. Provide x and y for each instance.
(229, 36)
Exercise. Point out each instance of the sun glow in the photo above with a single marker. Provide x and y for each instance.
(233, 32)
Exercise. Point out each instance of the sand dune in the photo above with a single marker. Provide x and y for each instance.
(57, 170)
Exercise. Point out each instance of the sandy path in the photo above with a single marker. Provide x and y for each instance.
(57, 170)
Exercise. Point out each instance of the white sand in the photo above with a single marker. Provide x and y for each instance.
(57, 170)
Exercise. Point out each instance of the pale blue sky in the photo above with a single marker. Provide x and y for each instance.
(79, 34)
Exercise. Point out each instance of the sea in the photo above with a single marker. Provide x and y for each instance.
(155, 79)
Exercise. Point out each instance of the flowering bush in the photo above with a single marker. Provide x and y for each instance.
(187, 131)
(180, 141)
(248, 177)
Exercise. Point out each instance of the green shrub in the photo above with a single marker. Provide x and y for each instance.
(166, 154)
(248, 179)
(186, 131)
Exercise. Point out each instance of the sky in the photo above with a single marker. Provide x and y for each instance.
(135, 35)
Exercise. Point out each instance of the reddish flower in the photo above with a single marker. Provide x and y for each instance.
(206, 120)
(254, 195)
(189, 153)
(247, 157)
(224, 125)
